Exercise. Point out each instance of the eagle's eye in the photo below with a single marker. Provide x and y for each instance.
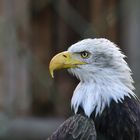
(84, 54)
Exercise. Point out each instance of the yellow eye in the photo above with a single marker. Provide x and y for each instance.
(84, 54)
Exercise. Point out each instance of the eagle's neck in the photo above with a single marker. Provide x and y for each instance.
(96, 94)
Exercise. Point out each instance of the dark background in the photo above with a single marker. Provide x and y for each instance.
(32, 104)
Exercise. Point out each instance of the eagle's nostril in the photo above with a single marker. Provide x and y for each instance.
(64, 55)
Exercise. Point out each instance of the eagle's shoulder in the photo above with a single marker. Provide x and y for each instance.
(120, 119)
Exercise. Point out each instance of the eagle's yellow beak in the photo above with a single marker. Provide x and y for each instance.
(63, 60)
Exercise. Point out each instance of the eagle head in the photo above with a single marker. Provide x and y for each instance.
(103, 73)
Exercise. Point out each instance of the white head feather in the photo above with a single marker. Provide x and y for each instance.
(105, 77)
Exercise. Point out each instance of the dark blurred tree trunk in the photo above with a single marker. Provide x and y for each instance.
(131, 37)
(43, 43)
(14, 91)
(105, 18)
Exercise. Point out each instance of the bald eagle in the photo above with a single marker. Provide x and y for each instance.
(105, 91)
